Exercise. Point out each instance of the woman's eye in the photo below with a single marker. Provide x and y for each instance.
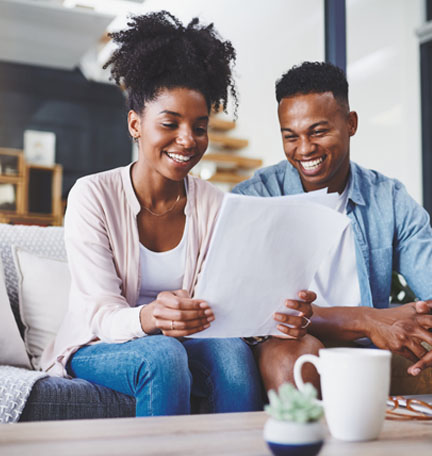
(169, 125)
(201, 131)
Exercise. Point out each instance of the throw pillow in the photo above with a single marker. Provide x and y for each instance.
(12, 349)
(43, 295)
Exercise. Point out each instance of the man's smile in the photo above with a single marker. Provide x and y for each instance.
(312, 165)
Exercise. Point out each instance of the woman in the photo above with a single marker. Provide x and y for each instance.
(134, 234)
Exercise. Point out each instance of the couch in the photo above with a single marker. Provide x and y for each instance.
(51, 398)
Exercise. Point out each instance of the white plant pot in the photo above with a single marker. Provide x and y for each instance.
(286, 438)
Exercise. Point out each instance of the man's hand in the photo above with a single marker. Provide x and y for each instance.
(294, 326)
(175, 314)
(402, 330)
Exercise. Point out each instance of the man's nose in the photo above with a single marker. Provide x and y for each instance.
(305, 146)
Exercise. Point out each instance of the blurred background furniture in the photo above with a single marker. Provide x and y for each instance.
(29, 194)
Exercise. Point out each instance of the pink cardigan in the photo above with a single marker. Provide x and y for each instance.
(102, 244)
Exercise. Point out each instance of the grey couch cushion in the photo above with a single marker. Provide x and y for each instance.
(54, 398)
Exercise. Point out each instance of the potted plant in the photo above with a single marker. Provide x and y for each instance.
(294, 426)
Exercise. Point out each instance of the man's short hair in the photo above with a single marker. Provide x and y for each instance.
(313, 77)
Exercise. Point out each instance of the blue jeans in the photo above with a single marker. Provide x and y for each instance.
(162, 373)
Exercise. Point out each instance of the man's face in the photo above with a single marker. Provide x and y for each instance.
(316, 130)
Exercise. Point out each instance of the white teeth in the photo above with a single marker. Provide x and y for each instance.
(311, 164)
(178, 157)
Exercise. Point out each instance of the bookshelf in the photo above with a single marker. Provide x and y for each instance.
(29, 194)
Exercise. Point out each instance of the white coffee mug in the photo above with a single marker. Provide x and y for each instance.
(355, 384)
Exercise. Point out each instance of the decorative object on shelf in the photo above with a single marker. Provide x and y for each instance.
(294, 426)
(39, 147)
(29, 194)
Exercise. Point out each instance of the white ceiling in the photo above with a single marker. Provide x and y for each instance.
(46, 33)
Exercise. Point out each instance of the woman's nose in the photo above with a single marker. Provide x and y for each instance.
(186, 139)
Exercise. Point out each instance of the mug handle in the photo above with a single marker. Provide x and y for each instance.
(298, 367)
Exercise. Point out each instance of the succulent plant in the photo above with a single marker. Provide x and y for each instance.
(290, 404)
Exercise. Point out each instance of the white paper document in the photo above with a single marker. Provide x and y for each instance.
(262, 252)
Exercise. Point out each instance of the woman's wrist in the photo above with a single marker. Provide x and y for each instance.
(146, 319)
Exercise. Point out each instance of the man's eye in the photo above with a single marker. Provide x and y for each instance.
(290, 137)
(319, 132)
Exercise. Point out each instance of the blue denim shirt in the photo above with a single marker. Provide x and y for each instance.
(391, 230)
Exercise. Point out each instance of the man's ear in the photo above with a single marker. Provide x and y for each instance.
(134, 124)
(352, 123)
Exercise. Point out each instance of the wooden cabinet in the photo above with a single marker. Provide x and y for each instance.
(29, 194)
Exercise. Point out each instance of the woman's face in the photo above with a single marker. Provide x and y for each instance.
(171, 132)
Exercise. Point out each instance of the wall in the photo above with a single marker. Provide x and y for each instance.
(88, 118)
(383, 71)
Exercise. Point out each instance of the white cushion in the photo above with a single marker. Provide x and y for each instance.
(43, 293)
(12, 349)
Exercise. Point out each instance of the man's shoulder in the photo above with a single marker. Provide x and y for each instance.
(267, 181)
(369, 180)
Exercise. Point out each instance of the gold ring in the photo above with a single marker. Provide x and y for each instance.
(307, 323)
(172, 325)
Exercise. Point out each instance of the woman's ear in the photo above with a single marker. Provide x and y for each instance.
(134, 124)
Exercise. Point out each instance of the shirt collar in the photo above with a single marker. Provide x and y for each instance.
(354, 185)
(292, 183)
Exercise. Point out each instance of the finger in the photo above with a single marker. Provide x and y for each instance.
(175, 325)
(304, 308)
(423, 307)
(181, 293)
(168, 313)
(169, 299)
(185, 294)
(185, 332)
(425, 321)
(295, 333)
(307, 295)
(423, 363)
(292, 321)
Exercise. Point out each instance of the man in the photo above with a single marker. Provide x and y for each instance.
(390, 231)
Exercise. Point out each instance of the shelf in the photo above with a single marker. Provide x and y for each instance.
(226, 142)
(30, 194)
(235, 160)
(218, 124)
(227, 177)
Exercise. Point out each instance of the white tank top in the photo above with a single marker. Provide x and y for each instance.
(162, 271)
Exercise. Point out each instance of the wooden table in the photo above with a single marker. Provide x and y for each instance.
(224, 434)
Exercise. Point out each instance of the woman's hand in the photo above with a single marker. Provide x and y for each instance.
(175, 314)
(294, 326)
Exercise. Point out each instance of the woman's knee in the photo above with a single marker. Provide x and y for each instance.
(160, 357)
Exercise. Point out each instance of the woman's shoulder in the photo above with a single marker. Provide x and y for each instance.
(204, 194)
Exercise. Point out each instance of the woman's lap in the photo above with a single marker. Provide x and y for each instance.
(162, 372)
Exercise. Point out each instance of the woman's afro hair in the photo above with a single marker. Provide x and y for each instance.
(157, 51)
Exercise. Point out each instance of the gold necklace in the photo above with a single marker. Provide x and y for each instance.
(163, 213)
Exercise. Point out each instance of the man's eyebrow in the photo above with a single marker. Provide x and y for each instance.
(311, 127)
(318, 124)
